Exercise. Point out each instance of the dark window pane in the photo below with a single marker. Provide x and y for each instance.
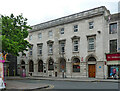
(113, 28)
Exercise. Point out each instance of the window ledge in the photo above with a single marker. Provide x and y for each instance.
(39, 54)
(91, 50)
(75, 51)
(50, 53)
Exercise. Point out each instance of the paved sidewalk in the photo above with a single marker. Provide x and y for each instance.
(16, 85)
(65, 79)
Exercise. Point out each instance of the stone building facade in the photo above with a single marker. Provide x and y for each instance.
(71, 46)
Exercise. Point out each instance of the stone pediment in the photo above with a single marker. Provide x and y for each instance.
(75, 37)
(50, 41)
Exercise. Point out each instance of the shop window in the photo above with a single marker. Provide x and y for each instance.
(62, 65)
(51, 64)
(31, 66)
(113, 28)
(40, 66)
(113, 46)
(76, 65)
(114, 71)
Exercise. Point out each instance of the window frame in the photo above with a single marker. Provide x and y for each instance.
(91, 25)
(75, 28)
(31, 50)
(62, 31)
(62, 46)
(75, 65)
(50, 48)
(50, 33)
(111, 48)
(89, 44)
(75, 45)
(112, 24)
(40, 49)
(40, 36)
(50, 66)
(40, 66)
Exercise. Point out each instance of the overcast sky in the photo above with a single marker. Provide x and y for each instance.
(39, 11)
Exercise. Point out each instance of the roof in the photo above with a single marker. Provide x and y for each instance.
(71, 18)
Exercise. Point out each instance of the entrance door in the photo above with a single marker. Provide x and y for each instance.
(91, 69)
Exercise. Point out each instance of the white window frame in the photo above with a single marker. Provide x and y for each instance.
(40, 35)
(91, 44)
(62, 45)
(111, 32)
(91, 25)
(50, 33)
(75, 45)
(75, 28)
(62, 31)
(40, 49)
(50, 48)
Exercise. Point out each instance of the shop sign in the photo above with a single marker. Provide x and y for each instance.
(113, 57)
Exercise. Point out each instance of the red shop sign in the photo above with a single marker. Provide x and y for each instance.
(113, 57)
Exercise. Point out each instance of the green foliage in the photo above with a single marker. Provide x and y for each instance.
(14, 32)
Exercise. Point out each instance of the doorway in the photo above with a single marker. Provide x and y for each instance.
(91, 70)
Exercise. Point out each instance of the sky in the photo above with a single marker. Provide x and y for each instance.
(39, 11)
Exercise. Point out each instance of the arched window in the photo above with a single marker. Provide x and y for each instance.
(62, 65)
(91, 59)
(40, 66)
(31, 66)
(76, 65)
(50, 64)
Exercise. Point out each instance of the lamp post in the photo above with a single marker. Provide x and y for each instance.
(62, 58)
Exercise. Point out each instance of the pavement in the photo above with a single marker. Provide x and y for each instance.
(32, 86)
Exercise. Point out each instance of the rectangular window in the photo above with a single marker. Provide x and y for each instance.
(62, 31)
(31, 50)
(50, 49)
(91, 44)
(76, 28)
(40, 35)
(50, 34)
(40, 49)
(30, 37)
(75, 45)
(113, 46)
(62, 47)
(113, 28)
(91, 25)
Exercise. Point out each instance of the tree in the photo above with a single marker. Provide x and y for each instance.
(14, 32)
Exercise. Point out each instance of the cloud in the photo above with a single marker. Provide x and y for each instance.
(38, 11)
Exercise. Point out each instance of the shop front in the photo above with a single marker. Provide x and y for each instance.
(113, 64)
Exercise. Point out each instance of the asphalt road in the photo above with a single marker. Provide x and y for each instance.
(85, 86)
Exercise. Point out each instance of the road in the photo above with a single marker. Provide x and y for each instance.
(75, 85)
